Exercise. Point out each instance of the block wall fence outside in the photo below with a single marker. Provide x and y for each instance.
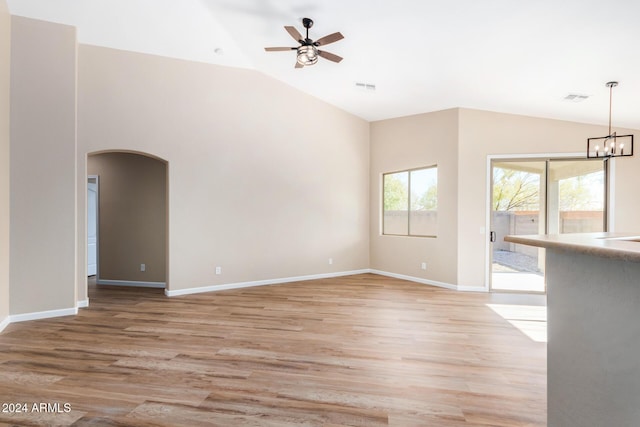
(525, 222)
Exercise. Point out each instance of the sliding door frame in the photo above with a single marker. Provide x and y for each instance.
(608, 197)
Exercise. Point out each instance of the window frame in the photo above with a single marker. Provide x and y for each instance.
(382, 210)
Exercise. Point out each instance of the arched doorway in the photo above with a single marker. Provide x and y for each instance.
(131, 218)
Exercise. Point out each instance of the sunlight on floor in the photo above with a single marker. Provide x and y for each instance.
(529, 319)
(517, 281)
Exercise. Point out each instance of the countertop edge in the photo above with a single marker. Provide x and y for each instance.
(604, 245)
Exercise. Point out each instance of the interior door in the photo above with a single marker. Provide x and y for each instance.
(517, 207)
(92, 226)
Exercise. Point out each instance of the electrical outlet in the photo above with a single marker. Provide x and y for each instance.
(330, 261)
(218, 270)
(423, 266)
(143, 267)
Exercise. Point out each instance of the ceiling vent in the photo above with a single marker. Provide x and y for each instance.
(366, 86)
(575, 97)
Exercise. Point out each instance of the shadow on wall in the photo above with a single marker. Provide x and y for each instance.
(132, 218)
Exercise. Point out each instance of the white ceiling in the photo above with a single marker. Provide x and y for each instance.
(511, 56)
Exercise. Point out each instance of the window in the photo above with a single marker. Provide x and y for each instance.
(410, 202)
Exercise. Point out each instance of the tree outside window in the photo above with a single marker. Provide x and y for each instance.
(410, 202)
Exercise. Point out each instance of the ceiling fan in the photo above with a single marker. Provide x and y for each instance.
(308, 52)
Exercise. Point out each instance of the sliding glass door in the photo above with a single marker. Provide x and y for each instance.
(540, 196)
(576, 196)
(517, 207)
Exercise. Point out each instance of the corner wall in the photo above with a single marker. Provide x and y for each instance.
(5, 61)
(460, 141)
(484, 133)
(43, 168)
(265, 181)
(412, 142)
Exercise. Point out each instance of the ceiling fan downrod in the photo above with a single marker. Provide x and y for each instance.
(307, 23)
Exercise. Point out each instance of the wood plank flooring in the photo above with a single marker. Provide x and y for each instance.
(362, 350)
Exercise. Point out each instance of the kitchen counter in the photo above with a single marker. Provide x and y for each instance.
(624, 246)
(593, 307)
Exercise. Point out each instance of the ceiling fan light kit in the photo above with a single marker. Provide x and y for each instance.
(611, 145)
(307, 53)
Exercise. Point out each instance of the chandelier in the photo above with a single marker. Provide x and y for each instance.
(611, 145)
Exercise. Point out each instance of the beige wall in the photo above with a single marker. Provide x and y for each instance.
(411, 142)
(264, 181)
(5, 57)
(625, 201)
(484, 133)
(43, 167)
(460, 141)
(133, 220)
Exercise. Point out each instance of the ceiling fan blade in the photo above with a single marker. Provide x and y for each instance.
(294, 33)
(330, 56)
(278, 49)
(328, 39)
(299, 65)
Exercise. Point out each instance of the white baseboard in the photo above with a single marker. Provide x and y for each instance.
(214, 288)
(472, 289)
(5, 322)
(85, 303)
(138, 284)
(239, 285)
(43, 315)
(416, 279)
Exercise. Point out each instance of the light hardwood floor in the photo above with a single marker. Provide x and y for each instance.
(362, 350)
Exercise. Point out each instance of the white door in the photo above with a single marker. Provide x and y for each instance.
(92, 226)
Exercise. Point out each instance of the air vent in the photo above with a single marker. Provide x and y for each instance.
(366, 86)
(575, 97)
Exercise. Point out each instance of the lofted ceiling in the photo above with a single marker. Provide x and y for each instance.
(513, 56)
